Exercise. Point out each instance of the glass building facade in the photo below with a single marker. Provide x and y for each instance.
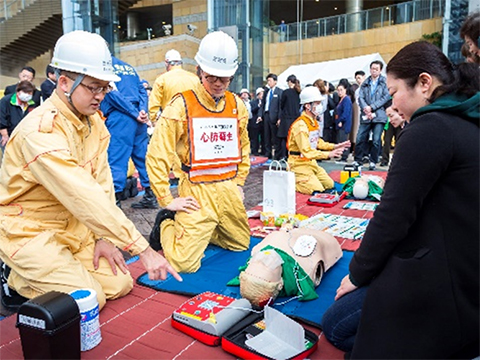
(97, 16)
(247, 22)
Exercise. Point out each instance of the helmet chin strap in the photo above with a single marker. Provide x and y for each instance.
(76, 83)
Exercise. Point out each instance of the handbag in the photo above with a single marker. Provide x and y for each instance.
(279, 189)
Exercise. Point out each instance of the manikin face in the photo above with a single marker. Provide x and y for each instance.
(215, 86)
(25, 75)
(83, 98)
(405, 100)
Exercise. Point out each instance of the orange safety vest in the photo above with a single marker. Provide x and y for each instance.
(313, 132)
(214, 137)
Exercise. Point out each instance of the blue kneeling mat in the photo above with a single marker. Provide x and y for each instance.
(219, 266)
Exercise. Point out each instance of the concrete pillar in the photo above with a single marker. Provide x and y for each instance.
(354, 21)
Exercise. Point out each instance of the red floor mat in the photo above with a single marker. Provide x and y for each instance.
(311, 210)
(137, 326)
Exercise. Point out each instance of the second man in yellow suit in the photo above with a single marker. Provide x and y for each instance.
(166, 86)
(206, 127)
(305, 146)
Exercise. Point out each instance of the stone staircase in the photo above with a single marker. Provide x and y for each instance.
(32, 31)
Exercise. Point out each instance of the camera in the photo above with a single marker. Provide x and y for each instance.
(191, 28)
(167, 29)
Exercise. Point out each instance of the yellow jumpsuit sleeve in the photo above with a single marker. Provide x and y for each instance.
(162, 147)
(323, 145)
(155, 99)
(244, 166)
(102, 174)
(300, 136)
(54, 167)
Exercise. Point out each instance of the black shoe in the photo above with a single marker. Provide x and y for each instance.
(131, 189)
(154, 238)
(149, 201)
(119, 196)
(383, 164)
(11, 300)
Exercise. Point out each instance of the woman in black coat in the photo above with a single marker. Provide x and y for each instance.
(420, 254)
(290, 110)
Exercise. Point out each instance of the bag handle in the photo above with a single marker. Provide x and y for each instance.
(278, 165)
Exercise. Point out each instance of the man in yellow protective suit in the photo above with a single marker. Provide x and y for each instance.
(59, 225)
(206, 127)
(305, 146)
(174, 81)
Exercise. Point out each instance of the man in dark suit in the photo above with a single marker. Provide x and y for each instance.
(27, 73)
(271, 117)
(254, 126)
(49, 84)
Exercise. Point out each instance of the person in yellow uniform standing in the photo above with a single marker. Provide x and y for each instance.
(174, 81)
(170, 83)
(207, 128)
(305, 146)
(59, 225)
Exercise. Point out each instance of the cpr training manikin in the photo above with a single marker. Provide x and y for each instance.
(288, 263)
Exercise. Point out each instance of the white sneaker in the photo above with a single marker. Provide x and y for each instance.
(372, 166)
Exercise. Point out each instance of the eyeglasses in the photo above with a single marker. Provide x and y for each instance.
(98, 89)
(94, 89)
(213, 79)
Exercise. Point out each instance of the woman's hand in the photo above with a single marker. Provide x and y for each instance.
(343, 145)
(187, 204)
(114, 256)
(345, 287)
(335, 153)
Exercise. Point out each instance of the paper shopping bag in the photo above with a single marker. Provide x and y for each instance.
(278, 189)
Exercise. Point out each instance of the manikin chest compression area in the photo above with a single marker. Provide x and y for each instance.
(288, 263)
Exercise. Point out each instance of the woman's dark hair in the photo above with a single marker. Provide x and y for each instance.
(25, 86)
(350, 92)
(471, 27)
(296, 83)
(422, 57)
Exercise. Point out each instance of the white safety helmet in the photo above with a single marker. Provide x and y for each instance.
(84, 53)
(173, 55)
(218, 54)
(244, 91)
(259, 90)
(310, 94)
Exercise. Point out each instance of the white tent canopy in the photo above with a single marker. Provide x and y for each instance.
(331, 71)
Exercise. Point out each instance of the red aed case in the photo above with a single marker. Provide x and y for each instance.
(326, 200)
(207, 316)
(233, 341)
(216, 319)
